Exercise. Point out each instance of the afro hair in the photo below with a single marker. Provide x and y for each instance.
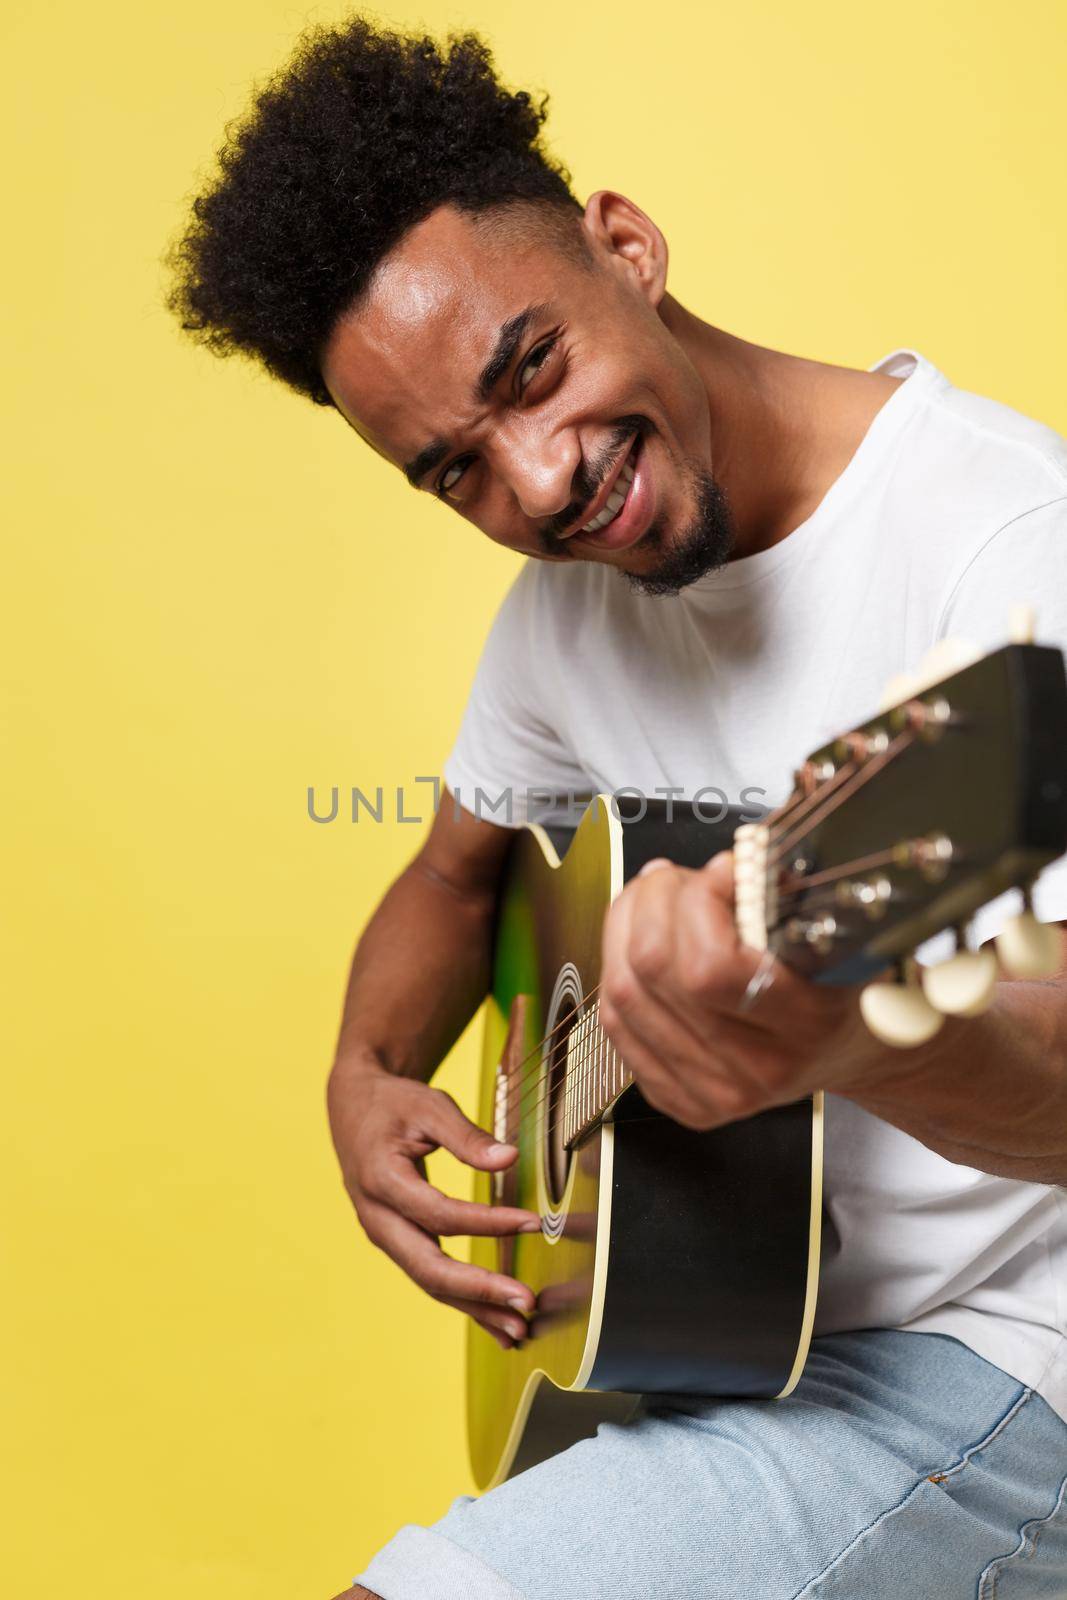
(359, 137)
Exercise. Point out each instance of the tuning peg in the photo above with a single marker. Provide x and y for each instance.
(1021, 622)
(943, 659)
(1028, 948)
(962, 986)
(940, 661)
(901, 686)
(899, 1014)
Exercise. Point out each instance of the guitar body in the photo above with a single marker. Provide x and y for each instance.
(669, 1261)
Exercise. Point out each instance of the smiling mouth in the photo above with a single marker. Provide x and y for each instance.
(616, 499)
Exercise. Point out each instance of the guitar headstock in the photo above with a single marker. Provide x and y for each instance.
(907, 825)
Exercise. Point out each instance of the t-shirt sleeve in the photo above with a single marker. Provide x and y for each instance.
(1025, 561)
(510, 763)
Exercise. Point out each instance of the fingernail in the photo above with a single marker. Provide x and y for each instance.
(533, 1226)
(518, 1305)
(518, 1334)
(496, 1150)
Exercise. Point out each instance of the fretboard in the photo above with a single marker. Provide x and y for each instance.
(595, 1075)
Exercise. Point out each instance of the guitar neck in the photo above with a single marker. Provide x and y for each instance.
(595, 1074)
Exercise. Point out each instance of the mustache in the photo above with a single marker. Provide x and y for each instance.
(591, 475)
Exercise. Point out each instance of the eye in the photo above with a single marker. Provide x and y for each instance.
(452, 474)
(535, 361)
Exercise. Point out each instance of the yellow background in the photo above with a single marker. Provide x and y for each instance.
(216, 597)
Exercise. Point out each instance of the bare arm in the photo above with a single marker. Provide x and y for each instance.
(420, 970)
(990, 1093)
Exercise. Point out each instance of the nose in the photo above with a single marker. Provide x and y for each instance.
(540, 469)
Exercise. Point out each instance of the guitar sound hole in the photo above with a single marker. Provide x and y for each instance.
(556, 1155)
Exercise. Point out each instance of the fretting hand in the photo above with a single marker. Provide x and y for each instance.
(674, 977)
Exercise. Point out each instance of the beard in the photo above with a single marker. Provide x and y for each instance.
(702, 547)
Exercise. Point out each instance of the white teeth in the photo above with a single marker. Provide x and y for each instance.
(614, 503)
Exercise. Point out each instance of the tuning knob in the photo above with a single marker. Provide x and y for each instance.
(964, 985)
(940, 661)
(899, 1014)
(1021, 621)
(900, 687)
(1028, 948)
(943, 659)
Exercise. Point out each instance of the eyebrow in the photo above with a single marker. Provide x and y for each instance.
(508, 339)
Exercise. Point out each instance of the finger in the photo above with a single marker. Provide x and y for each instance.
(720, 871)
(643, 937)
(661, 955)
(720, 1096)
(669, 1091)
(395, 1182)
(426, 1263)
(507, 1324)
(447, 1124)
(705, 965)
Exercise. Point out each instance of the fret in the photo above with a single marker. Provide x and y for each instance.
(566, 1095)
(583, 1080)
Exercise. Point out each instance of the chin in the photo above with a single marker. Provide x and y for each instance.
(666, 562)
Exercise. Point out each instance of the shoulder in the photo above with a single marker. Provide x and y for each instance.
(966, 471)
(992, 451)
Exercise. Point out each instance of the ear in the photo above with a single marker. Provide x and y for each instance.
(619, 228)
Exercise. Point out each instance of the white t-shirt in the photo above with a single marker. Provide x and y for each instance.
(952, 507)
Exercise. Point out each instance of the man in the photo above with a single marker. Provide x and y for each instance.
(730, 550)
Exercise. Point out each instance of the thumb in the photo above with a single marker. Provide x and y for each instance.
(720, 873)
(464, 1139)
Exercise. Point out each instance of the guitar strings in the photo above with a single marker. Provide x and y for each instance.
(838, 792)
(539, 1048)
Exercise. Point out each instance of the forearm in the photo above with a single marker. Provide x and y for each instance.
(420, 970)
(989, 1093)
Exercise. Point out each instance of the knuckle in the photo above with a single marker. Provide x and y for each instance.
(441, 1100)
(369, 1226)
(434, 1284)
(430, 1211)
(609, 1017)
(620, 991)
(697, 973)
(650, 956)
(373, 1182)
(480, 1289)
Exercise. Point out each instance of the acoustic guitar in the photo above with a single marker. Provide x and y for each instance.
(675, 1261)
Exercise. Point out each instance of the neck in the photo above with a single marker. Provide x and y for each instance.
(781, 428)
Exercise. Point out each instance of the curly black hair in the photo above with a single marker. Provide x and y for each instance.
(360, 136)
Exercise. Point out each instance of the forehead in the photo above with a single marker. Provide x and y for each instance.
(401, 365)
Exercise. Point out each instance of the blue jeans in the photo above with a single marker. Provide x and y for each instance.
(902, 1465)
